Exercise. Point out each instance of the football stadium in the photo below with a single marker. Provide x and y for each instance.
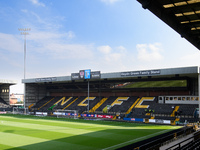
(131, 110)
(142, 109)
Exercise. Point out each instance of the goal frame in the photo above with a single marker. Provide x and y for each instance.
(22, 111)
(66, 113)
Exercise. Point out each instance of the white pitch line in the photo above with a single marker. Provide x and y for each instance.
(134, 140)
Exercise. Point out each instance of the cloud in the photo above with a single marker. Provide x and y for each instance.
(112, 55)
(110, 1)
(70, 34)
(37, 3)
(191, 59)
(149, 52)
(105, 49)
(121, 49)
(45, 35)
(41, 22)
(10, 43)
(18, 88)
(57, 45)
(52, 44)
(11, 49)
(49, 40)
(68, 51)
(24, 10)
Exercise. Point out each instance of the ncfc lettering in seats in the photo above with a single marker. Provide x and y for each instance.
(119, 101)
(139, 104)
(86, 99)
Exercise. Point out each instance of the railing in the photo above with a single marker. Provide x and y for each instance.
(160, 140)
(179, 145)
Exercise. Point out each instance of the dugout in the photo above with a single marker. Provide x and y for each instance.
(5, 89)
(119, 84)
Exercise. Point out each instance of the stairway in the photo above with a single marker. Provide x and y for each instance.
(98, 105)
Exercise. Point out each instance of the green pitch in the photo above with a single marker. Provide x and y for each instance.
(36, 133)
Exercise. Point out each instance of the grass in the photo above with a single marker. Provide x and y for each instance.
(35, 133)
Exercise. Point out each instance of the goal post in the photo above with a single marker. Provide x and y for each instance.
(59, 113)
(20, 110)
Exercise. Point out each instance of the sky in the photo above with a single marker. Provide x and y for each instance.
(71, 35)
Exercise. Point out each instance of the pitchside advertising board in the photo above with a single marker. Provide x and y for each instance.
(160, 121)
(83, 115)
(41, 114)
(97, 116)
(65, 114)
(86, 74)
(134, 119)
(2, 112)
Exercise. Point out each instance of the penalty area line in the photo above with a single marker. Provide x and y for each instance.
(135, 139)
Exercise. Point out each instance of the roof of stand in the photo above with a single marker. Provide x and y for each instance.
(9, 82)
(181, 15)
(137, 74)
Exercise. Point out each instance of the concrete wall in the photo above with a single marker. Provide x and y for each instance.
(34, 93)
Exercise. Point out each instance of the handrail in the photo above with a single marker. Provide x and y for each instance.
(179, 144)
(158, 140)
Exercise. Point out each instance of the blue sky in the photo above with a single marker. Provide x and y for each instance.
(70, 35)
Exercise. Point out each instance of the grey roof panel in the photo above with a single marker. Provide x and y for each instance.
(5, 81)
(114, 75)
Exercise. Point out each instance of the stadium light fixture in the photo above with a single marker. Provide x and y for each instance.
(24, 31)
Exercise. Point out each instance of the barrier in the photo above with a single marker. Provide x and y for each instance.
(134, 119)
(2, 112)
(97, 116)
(41, 114)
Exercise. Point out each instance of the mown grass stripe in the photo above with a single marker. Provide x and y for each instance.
(46, 127)
(81, 140)
(34, 132)
(18, 140)
(106, 133)
(3, 146)
(80, 124)
(30, 143)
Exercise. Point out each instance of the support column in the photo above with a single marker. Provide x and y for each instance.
(88, 96)
(199, 91)
(24, 95)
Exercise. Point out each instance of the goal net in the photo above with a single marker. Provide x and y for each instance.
(59, 113)
(20, 110)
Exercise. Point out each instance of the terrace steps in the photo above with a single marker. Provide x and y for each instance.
(45, 103)
(98, 105)
(63, 100)
(129, 110)
(29, 107)
(69, 104)
(174, 111)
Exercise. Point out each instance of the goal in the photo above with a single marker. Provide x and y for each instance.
(20, 110)
(59, 113)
